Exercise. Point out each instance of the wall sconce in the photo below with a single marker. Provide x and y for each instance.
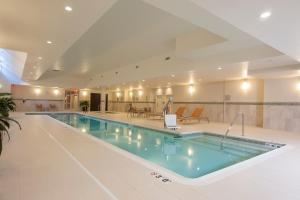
(159, 91)
(245, 85)
(140, 93)
(130, 94)
(118, 94)
(56, 92)
(298, 86)
(191, 89)
(169, 91)
(84, 93)
(37, 91)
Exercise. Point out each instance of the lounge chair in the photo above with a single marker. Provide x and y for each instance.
(52, 107)
(39, 107)
(155, 115)
(196, 115)
(170, 122)
(180, 111)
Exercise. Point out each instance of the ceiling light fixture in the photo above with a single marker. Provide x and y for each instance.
(220, 68)
(49, 42)
(68, 8)
(265, 15)
(40, 58)
(172, 75)
(143, 80)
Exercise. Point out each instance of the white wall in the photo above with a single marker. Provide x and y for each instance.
(282, 90)
(27, 97)
(286, 114)
(203, 92)
(237, 94)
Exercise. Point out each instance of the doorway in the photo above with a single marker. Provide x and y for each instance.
(95, 102)
(71, 99)
(160, 102)
(106, 102)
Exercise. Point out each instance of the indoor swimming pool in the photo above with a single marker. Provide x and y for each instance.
(190, 156)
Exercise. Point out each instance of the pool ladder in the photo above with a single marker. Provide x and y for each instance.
(231, 124)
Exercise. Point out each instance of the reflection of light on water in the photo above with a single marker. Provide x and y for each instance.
(138, 144)
(129, 133)
(190, 151)
(189, 162)
(146, 149)
(139, 137)
(117, 137)
(167, 157)
(158, 141)
(198, 168)
(117, 130)
(83, 130)
(129, 140)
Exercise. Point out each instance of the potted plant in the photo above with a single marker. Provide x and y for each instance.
(84, 105)
(6, 105)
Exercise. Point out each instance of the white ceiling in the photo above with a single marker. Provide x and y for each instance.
(101, 42)
(279, 31)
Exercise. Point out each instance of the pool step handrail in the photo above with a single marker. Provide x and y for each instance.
(232, 123)
(165, 110)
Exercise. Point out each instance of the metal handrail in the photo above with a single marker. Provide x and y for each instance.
(165, 109)
(232, 123)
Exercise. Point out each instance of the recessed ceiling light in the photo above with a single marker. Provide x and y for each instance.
(68, 8)
(220, 68)
(172, 75)
(265, 15)
(143, 80)
(49, 42)
(40, 58)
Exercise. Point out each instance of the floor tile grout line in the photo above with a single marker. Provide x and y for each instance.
(99, 183)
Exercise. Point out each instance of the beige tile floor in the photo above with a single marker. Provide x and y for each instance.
(48, 160)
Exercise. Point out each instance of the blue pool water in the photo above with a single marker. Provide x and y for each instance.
(191, 156)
